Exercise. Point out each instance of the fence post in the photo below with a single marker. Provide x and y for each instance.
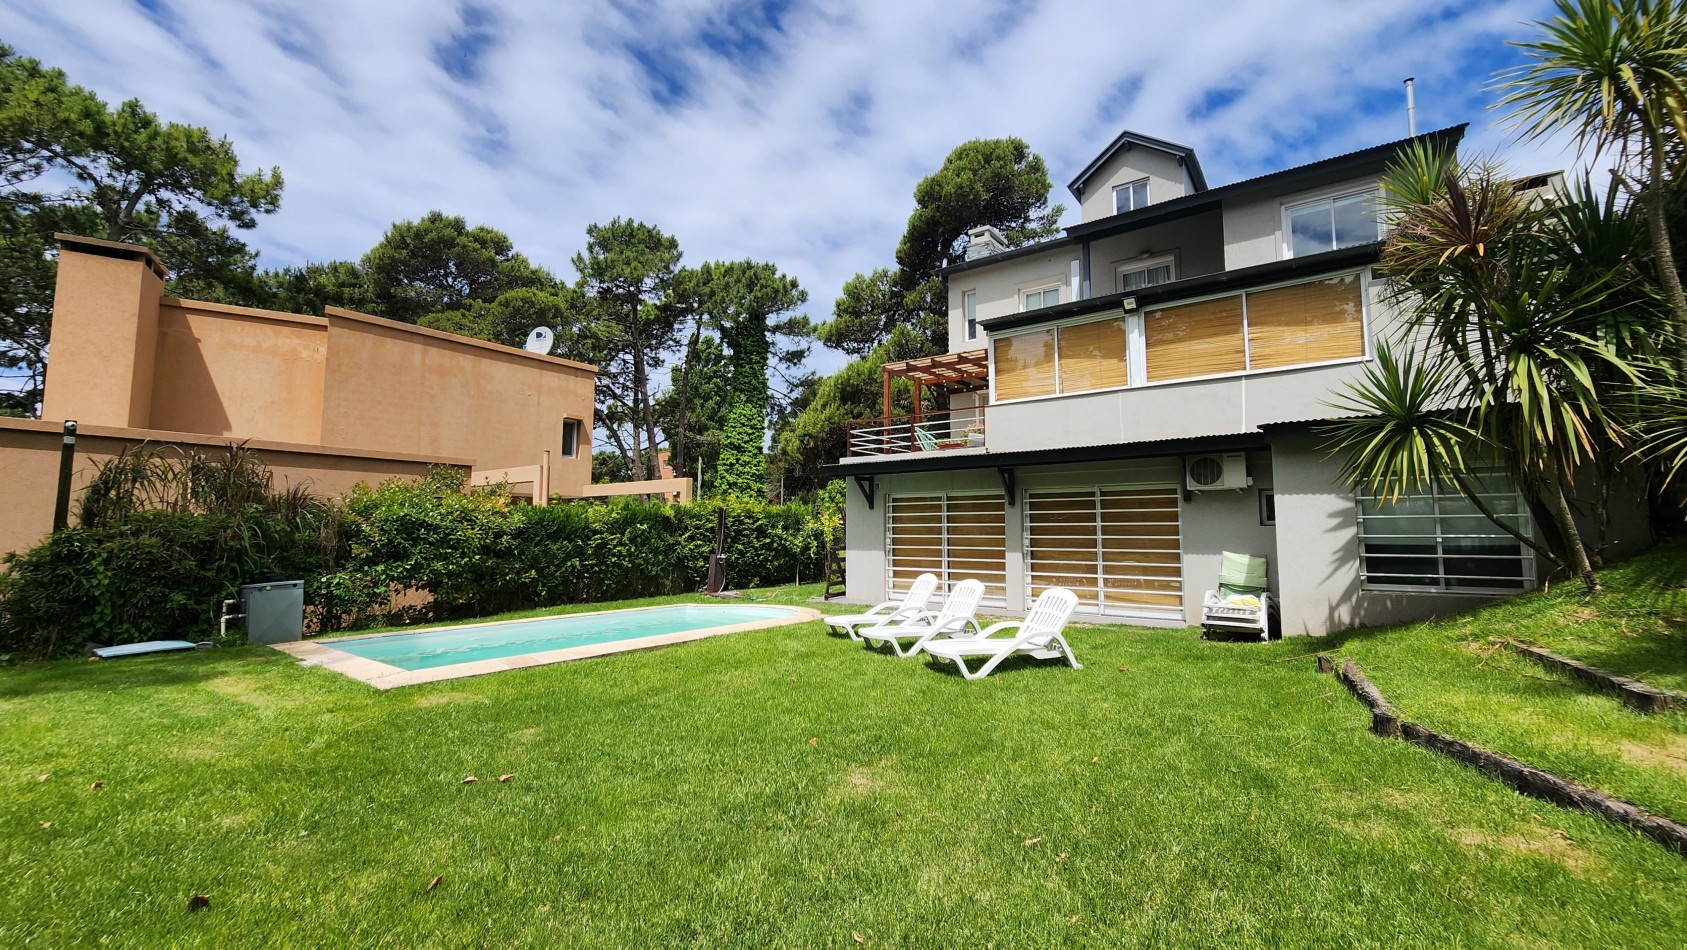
(67, 464)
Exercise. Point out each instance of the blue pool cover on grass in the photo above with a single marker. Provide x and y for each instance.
(433, 648)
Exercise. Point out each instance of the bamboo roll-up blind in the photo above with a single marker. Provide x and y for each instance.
(1307, 323)
(1196, 339)
(1092, 356)
(1025, 365)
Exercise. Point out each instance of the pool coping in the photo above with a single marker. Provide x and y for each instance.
(386, 676)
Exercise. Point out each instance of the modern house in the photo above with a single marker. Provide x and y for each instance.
(331, 400)
(1135, 397)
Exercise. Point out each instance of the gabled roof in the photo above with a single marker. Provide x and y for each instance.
(1127, 137)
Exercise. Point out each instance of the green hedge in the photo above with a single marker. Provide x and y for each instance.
(402, 552)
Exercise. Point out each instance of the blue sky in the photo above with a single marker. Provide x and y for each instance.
(784, 131)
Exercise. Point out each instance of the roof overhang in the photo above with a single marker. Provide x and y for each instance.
(947, 462)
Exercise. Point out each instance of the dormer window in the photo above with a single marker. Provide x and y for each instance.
(1130, 196)
(1331, 223)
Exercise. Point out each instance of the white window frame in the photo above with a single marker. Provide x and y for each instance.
(945, 581)
(1525, 557)
(1125, 187)
(1029, 545)
(1041, 288)
(1122, 268)
(969, 314)
(578, 428)
(1136, 344)
(1330, 195)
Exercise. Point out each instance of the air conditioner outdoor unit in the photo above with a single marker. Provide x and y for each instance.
(1217, 472)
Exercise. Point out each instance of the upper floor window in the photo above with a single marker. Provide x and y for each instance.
(1146, 273)
(1130, 196)
(970, 299)
(1307, 323)
(1327, 224)
(1040, 297)
(570, 438)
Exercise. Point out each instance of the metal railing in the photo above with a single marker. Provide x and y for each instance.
(934, 432)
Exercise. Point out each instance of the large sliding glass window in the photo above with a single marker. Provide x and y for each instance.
(1025, 365)
(1197, 339)
(1306, 323)
(1303, 324)
(955, 535)
(1327, 224)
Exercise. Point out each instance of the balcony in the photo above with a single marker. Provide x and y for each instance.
(928, 432)
(923, 430)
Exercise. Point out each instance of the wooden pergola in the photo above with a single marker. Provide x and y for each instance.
(950, 372)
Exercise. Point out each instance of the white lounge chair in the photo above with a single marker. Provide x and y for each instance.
(911, 605)
(1039, 635)
(954, 620)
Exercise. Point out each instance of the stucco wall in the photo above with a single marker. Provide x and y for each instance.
(999, 286)
(1318, 532)
(101, 369)
(234, 371)
(1167, 179)
(124, 357)
(1197, 243)
(392, 388)
(29, 468)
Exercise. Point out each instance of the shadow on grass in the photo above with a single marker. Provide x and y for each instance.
(139, 672)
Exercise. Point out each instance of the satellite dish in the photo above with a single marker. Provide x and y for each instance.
(540, 340)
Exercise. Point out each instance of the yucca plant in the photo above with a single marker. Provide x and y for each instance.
(1525, 331)
(1614, 72)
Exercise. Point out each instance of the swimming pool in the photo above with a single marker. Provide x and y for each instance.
(403, 659)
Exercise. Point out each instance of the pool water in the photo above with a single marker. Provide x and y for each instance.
(491, 641)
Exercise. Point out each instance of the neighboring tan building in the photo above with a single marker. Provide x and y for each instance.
(334, 400)
(1143, 393)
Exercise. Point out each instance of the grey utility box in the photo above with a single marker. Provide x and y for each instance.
(275, 611)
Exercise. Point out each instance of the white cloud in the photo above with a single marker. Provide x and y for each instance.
(807, 155)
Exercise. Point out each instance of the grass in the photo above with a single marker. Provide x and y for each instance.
(786, 787)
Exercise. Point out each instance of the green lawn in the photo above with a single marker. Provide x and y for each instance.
(786, 787)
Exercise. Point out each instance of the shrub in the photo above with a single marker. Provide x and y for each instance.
(161, 540)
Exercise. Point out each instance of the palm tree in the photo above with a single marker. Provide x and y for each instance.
(1615, 72)
(1526, 325)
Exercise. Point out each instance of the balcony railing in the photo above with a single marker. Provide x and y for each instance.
(934, 432)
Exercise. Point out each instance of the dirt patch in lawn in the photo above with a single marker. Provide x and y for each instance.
(255, 690)
(1533, 841)
(447, 699)
(1672, 754)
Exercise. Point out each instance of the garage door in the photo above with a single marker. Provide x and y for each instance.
(1118, 549)
(953, 535)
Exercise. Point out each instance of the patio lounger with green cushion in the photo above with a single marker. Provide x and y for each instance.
(927, 443)
(1039, 635)
(914, 603)
(954, 620)
(1241, 602)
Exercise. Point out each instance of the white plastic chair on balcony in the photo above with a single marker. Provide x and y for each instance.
(954, 620)
(1241, 603)
(1039, 635)
(914, 603)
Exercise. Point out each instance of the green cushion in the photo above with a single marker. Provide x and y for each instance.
(1242, 570)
